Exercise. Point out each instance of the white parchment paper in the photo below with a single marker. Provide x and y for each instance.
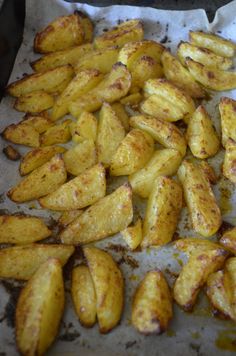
(189, 334)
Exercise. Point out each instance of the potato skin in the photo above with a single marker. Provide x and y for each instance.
(152, 304)
(229, 164)
(21, 134)
(227, 109)
(34, 102)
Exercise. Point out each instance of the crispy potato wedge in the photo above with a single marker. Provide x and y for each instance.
(110, 134)
(216, 44)
(34, 102)
(22, 134)
(229, 164)
(161, 131)
(83, 82)
(85, 128)
(180, 76)
(203, 209)
(133, 235)
(11, 153)
(132, 99)
(230, 272)
(21, 229)
(167, 102)
(195, 245)
(227, 109)
(62, 33)
(79, 192)
(59, 133)
(152, 304)
(114, 86)
(87, 26)
(194, 275)
(201, 134)
(162, 213)
(133, 153)
(209, 172)
(40, 121)
(228, 240)
(68, 216)
(80, 157)
(21, 262)
(51, 81)
(37, 157)
(214, 79)
(162, 163)
(121, 114)
(39, 309)
(106, 217)
(202, 55)
(109, 287)
(127, 31)
(40, 182)
(84, 296)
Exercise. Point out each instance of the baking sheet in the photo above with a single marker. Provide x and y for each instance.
(189, 334)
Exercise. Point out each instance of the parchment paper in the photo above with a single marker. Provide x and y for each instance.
(189, 334)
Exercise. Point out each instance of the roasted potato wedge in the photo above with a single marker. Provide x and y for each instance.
(203, 209)
(180, 76)
(40, 182)
(40, 121)
(114, 86)
(39, 309)
(121, 114)
(51, 81)
(228, 240)
(214, 79)
(201, 134)
(109, 287)
(132, 99)
(202, 55)
(85, 128)
(68, 216)
(11, 153)
(164, 205)
(227, 109)
(133, 235)
(34, 102)
(87, 26)
(230, 272)
(162, 131)
(22, 134)
(133, 153)
(80, 157)
(195, 245)
(209, 172)
(106, 217)
(127, 31)
(217, 44)
(59, 133)
(229, 165)
(84, 296)
(194, 275)
(79, 192)
(21, 229)
(110, 134)
(152, 304)
(21, 262)
(162, 163)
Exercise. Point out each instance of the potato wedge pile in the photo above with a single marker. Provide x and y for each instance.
(97, 108)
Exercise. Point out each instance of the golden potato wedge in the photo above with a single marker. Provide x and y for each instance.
(215, 43)
(168, 102)
(40, 121)
(80, 157)
(121, 114)
(162, 131)
(40, 182)
(228, 240)
(195, 245)
(230, 271)
(110, 134)
(106, 217)
(202, 55)
(132, 99)
(59, 58)
(59, 133)
(229, 164)
(68, 216)
(162, 213)
(227, 109)
(22, 134)
(180, 76)
(51, 81)
(162, 163)
(194, 275)
(21, 262)
(85, 128)
(84, 296)
(39, 309)
(201, 134)
(80, 84)
(152, 304)
(133, 153)
(64, 32)
(21, 229)
(37, 157)
(209, 172)
(87, 26)
(109, 287)
(11, 153)
(127, 31)
(34, 102)
(133, 235)
(203, 209)
(114, 86)
(214, 79)
(79, 192)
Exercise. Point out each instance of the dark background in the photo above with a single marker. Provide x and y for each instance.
(12, 22)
